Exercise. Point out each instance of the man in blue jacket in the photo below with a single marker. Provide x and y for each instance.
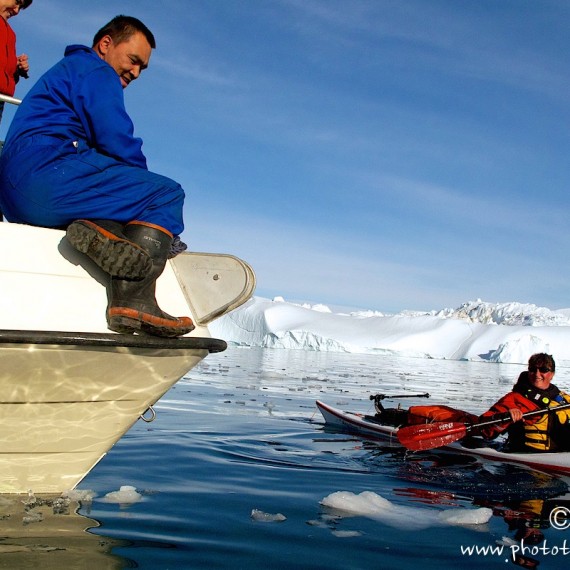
(71, 160)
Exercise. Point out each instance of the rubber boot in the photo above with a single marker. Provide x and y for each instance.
(132, 304)
(105, 243)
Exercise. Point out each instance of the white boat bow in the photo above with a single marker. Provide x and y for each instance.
(70, 387)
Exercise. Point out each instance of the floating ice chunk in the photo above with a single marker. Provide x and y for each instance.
(374, 506)
(31, 517)
(366, 504)
(316, 522)
(346, 533)
(260, 516)
(466, 516)
(80, 496)
(506, 541)
(125, 495)
(31, 500)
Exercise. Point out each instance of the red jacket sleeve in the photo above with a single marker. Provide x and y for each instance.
(8, 60)
(510, 400)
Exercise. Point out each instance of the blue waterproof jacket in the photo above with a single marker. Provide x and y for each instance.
(71, 153)
(80, 99)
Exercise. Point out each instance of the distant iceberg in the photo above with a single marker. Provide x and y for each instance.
(503, 332)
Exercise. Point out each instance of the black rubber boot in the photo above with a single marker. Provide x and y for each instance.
(132, 304)
(105, 243)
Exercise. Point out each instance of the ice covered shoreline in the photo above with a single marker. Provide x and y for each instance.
(506, 332)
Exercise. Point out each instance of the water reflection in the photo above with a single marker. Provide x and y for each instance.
(526, 520)
(467, 476)
(529, 502)
(49, 532)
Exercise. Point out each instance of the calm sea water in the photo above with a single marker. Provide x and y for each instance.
(241, 433)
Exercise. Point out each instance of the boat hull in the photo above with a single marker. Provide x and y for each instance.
(366, 427)
(67, 399)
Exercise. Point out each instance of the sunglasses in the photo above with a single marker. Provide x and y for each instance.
(541, 369)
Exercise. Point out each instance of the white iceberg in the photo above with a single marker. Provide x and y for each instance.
(507, 332)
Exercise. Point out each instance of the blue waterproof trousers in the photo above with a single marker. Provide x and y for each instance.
(45, 181)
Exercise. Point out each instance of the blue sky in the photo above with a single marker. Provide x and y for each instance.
(382, 154)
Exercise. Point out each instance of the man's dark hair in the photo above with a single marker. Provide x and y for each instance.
(26, 3)
(121, 28)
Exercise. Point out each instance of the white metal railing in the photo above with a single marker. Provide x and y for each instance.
(8, 99)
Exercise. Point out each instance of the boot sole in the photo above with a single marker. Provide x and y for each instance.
(143, 323)
(118, 257)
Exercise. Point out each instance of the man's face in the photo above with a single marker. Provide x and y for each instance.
(127, 58)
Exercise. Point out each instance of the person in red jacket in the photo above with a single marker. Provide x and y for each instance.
(12, 67)
(533, 390)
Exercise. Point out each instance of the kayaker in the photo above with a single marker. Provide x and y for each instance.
(533, 390)
(12, 67)
(71, 160)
